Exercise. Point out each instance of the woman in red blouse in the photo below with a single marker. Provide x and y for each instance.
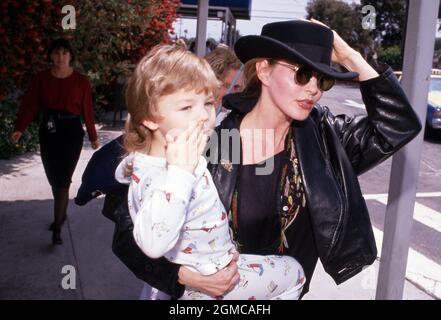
(62, 95)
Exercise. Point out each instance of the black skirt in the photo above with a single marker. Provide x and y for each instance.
(61, 140)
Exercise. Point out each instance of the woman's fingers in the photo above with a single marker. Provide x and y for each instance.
(15, 136)
(95, 144)
(318, 22)
(341, 50)
(215, 285)
(235, 256)
(232, 275)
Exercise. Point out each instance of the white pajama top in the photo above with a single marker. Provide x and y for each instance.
(177, 214)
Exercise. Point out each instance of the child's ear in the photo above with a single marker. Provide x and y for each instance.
(150, 124)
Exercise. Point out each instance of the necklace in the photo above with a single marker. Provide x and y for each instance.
(292, 192)
(292, 196)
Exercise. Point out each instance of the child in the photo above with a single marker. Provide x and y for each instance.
(172, 199)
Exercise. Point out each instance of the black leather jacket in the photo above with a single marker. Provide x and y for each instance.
(332, 151)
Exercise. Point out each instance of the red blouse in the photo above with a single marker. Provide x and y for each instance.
(72, 94)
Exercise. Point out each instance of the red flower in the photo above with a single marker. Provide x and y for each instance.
(30, 10)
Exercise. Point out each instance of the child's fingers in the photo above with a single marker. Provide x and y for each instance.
(169, 138)
(202, 143)
(128, 169)
(194, 135)
(200, 130)
(186, 134)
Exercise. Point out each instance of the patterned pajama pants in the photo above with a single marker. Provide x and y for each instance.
(261, 278)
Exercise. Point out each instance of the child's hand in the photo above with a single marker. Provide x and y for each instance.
(184, 150)
(128, 169)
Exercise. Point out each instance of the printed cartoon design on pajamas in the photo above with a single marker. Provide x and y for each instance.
(207, 228)
(272, 286)
(257, 267)
(160, 228)
(179, 215)
(270, 262)
(243, 282)
(189, 249)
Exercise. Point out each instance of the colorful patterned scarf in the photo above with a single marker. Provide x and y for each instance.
(291, 191)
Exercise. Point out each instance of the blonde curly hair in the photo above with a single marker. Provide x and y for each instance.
(163, 71)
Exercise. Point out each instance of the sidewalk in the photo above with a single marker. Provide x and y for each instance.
(31, 268)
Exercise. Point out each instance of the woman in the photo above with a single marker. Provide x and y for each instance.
(62, 95)
(310, 206)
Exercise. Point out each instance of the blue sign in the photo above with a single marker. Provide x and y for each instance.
(239, 8)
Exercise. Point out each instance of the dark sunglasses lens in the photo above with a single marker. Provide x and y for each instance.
(303, 76)
(326, 83)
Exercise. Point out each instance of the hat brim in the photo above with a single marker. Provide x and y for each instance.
(249, 47)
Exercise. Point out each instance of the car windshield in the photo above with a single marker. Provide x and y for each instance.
(435, 84)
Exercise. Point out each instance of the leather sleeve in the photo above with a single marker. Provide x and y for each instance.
(390, 123)
(159, 273)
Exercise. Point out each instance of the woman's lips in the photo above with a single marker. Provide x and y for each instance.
(305, 104)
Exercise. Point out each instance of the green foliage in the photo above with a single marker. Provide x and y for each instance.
(344, 18)
(390, 21)
(29, 139)
(391, 56)
(110, 37)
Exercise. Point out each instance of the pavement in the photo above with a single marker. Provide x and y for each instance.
(84, 267)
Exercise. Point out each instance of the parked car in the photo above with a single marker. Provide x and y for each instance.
(433, 115)
(433, 118)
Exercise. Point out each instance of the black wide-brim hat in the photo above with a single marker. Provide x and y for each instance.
(306, 43)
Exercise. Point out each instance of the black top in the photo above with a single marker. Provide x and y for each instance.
(257, 212)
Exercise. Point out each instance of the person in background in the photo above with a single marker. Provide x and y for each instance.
(181, 42)
(210, 45)
(61, 95)
(228, 70)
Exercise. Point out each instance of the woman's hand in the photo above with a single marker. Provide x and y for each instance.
(15, 136)
(214, 285)
(351, 59)
(95, 144)
(341, 50)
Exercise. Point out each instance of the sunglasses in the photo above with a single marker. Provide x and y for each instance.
(303, 76)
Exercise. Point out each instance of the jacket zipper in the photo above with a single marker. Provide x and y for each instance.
(341, 206)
